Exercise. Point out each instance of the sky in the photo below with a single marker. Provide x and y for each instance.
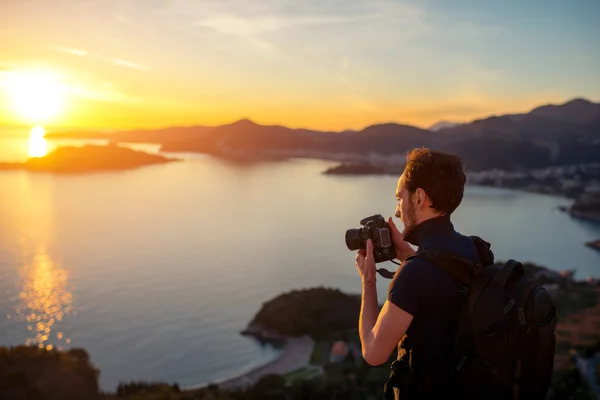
(321, 64)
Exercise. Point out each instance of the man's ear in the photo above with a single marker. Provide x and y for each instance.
(420, 197)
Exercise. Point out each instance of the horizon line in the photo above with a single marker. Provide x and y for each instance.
(53, 128)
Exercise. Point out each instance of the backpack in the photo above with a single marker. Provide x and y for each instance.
(505, 328)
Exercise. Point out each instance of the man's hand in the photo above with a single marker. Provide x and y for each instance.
(365, 263)
(403, 248)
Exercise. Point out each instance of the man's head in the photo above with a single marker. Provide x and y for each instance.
(431, 185)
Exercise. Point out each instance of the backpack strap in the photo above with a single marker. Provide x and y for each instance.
(506, 271)
(464, 277)
(460, 268)
(486, 256)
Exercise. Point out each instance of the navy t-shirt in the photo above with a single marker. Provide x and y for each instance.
(430, 295)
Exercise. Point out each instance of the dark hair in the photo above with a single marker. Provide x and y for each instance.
(439, 174)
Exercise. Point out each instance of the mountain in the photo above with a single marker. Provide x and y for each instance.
(576, 111)
(246, 139)
(438, 126)
(576, 120)
(546, 136)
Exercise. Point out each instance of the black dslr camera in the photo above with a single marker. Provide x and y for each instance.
(376, 229)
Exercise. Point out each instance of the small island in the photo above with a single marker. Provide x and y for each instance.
(89, 158)
(355, 169)
(594, 244)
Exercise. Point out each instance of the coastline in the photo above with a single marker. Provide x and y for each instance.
(295, 354)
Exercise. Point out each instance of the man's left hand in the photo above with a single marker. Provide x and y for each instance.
(365, 263)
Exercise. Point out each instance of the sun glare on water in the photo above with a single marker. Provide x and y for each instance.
(38, 147)
(36, 96)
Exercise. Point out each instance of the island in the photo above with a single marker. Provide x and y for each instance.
(89, 158)
(355, 169)
(594, 244)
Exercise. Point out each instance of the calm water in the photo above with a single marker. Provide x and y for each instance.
(155, 271)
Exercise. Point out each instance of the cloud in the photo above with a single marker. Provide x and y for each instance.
(129, 64)
(69, 50)
(114, 61)
(231, 24)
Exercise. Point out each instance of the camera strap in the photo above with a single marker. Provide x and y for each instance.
(386, 273)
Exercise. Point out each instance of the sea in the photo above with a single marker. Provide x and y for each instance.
(155, 271)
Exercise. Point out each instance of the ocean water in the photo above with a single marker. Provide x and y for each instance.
(155, 271)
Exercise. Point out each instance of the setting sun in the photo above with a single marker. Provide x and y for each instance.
(38, 146)
(35, 95)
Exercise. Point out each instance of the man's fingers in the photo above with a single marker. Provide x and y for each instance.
(394, 229)
(369, 249)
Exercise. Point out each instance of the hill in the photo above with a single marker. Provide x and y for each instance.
(550, 135)
(316, 311)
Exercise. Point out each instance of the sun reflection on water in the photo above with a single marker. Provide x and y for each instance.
(38, 146)
(46, 301)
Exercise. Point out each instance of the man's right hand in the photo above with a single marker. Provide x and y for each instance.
(403, 249)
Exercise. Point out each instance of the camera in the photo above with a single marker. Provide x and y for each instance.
(377, 229)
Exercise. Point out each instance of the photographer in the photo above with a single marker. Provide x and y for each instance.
(422, 302)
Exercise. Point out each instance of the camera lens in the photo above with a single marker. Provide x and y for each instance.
(353, 239)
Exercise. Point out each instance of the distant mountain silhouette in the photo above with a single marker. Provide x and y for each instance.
(576, 111)
(545, 136)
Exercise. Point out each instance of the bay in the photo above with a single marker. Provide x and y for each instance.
(154, 271)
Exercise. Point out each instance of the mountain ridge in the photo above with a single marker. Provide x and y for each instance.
(547, 135)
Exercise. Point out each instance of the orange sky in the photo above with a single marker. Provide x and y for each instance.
(301, 64)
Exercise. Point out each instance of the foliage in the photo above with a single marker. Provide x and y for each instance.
(31, 372)
(316, 312)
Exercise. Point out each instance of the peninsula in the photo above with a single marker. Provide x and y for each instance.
(316, 311)
(88, 158)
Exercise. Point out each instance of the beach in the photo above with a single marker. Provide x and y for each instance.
(295, 355)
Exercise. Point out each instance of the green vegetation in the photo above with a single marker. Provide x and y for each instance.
(34, 373)
(320, 353)
(317, 312)
(303, 374)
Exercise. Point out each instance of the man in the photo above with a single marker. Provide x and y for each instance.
(422, 300)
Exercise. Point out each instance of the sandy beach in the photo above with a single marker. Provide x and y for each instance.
(295, 354)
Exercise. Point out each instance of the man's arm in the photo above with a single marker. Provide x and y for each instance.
(380, 334)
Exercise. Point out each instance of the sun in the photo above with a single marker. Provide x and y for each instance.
(36, 96)
(38, 147)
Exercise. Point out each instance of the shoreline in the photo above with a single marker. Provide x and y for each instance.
(295, 354)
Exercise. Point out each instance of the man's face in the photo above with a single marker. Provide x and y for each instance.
(405, 208)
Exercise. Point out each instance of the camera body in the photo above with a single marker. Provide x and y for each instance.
(377, 229)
